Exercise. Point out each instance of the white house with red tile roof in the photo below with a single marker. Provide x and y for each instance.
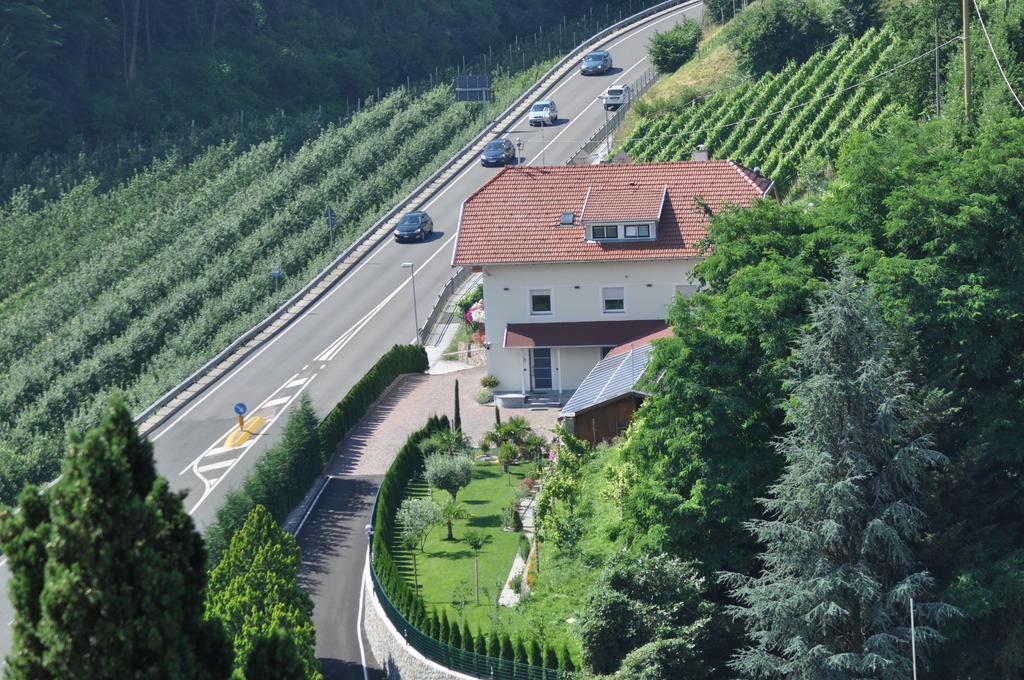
(578, 260)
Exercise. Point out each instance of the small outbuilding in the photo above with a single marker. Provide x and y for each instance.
(605, 402)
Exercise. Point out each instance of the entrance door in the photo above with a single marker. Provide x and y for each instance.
(540, 360)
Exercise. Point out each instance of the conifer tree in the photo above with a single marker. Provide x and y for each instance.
(566, 660)
(457, 419)
(254, 590)
(833, 598)
(493, 644)
(480, 643)
(107, 570)
(519, 650)
(455, 636)
(534, 652)
(275, 658)
(506, 647)
(445, 629)
(467, 638)
(550, 657)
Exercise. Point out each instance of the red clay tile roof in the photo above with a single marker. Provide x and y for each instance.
(515, 216)
(634, 201)
(579, 333)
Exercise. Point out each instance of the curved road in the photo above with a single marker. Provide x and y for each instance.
(334, 342)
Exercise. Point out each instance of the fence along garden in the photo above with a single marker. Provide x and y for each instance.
(489, 656)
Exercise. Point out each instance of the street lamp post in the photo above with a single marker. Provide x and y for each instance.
(519, 150)
(415, 316)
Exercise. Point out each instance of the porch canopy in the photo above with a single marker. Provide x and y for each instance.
(579, 333)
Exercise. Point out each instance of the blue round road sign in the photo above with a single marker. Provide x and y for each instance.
(240, 409)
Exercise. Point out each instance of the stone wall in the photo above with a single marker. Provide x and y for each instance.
(398, 659)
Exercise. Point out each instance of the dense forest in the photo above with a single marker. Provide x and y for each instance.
(99, 69)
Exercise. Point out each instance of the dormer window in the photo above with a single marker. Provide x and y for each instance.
(631, 231)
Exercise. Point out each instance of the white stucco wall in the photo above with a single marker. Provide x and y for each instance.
(576, 295)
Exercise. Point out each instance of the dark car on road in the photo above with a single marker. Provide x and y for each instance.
(414, 225)
(498, 152)
(596, 63)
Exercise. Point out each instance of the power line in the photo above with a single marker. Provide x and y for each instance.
(993, 51)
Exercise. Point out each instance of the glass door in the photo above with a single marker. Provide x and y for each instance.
(540, 364)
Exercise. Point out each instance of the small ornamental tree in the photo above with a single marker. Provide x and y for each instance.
(450, 473)
(839, 570)
(506, 647)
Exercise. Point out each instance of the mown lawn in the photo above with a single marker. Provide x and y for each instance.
(445, 568)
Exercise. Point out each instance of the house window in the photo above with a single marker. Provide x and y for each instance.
(686, 290)
(613, 300)
(605, 232)
(540, 302)
(638, 230)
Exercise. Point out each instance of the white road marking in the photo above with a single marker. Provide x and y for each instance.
(295, 383)
(210, 486)
(224, 436)
(359, 615)
(216, 466)
(275, 402)
(312, 505)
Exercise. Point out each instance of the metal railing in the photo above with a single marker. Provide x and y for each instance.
(603, 135)
(440, 303)
(454, 658)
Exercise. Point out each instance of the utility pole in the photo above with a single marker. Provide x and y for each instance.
(937, 105)
(967, 62)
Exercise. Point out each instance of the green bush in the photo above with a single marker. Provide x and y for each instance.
(468, 300)
(673, 48)
(524, 546)
(771, 33)
(489, 381)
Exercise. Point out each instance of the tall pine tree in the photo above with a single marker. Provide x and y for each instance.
(107, 570)
(833, 598)
(254, 590)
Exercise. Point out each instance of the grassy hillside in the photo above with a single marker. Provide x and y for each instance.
(781, 120)
(136, 287)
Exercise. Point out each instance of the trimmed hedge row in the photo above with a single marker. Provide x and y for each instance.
(520, 656)
(350, 410)
(284, 475)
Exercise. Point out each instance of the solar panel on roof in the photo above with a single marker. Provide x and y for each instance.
(612, 377)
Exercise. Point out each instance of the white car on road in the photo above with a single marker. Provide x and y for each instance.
(543, 112)
(615, 96)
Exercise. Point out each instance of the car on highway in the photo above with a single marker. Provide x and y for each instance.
(498, 152)
(414, 225)
(598, 62)
(543, 112)
(615, 96)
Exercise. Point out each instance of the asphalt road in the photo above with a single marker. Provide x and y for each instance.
(326, 350)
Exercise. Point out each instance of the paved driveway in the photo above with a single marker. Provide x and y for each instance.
(333, 537)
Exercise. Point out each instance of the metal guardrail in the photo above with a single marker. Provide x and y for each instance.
(585, 154)
(440, 303)
(227, 358)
